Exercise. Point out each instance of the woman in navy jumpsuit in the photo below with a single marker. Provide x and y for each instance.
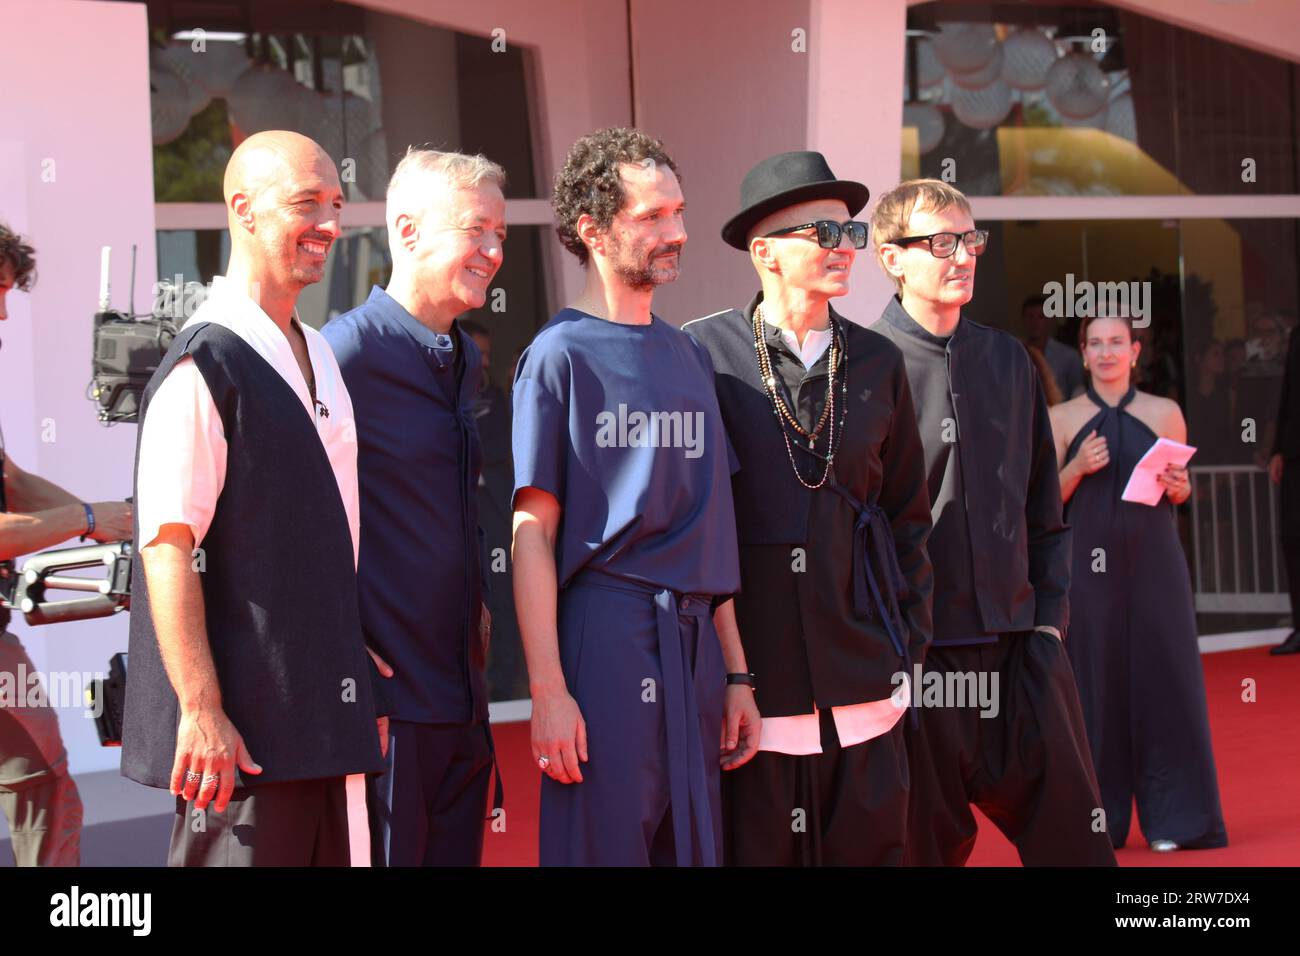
(1132, 639)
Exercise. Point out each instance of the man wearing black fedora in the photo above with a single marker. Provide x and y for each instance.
(832, 517)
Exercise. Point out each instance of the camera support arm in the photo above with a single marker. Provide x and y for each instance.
(45, 572)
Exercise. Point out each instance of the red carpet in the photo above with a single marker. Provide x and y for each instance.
(1256, 747)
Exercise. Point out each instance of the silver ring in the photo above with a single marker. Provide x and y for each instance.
(192, 777)
(211, 776)
(543, 762)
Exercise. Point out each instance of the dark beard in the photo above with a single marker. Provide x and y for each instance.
(639, 278)
(642, 276)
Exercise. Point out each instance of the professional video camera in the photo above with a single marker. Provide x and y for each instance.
(129, 347)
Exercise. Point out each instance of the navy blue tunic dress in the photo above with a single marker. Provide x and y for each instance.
(1132, 643)
(620, 423)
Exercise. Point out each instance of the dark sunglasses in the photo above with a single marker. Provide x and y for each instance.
(944, 244)
(829, 233)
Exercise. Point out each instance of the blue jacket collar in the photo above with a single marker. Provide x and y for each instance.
(391, 309)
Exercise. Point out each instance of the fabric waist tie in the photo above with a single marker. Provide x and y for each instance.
(498, 790)
(874, 551)
(687, 778)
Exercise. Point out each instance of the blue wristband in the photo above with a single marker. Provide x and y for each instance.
(90, 521)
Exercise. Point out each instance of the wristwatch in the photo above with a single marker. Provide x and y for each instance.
(746, 679)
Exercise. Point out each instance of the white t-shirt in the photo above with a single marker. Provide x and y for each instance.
(183, 443)
(815, 344)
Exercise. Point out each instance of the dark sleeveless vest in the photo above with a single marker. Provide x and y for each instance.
(279, 590)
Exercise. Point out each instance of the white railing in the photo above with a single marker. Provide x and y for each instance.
(1236, 562)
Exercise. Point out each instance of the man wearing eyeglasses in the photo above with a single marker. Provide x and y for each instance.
(831, 517)
(1001, 554)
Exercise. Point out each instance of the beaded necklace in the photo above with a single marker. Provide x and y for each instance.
(786, 419)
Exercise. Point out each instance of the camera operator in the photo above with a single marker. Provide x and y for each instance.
(36, 792)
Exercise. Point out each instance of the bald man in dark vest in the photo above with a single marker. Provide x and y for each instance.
(250, 691)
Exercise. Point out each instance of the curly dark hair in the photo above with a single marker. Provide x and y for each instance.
(590, 182)
(19, 257)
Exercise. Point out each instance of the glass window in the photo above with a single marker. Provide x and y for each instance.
(1048, 100)
(353, 82)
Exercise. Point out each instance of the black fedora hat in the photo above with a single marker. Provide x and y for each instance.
(783, 180)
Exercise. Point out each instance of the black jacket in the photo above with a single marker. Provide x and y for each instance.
(1000, 546)
(803, 635)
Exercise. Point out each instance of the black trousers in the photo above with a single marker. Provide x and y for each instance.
(841, 807)
(1029, 768)
(429, 807)
(302, 823)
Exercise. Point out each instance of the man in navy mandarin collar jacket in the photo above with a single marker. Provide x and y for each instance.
(414, 378)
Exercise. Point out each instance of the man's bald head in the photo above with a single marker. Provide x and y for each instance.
(265, 158)
(283, 200)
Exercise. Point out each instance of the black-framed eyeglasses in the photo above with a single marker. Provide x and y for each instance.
(944, 244)
(829, 233)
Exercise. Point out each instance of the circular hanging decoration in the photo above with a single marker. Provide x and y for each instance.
(1120, 118)
(218, 65)
(266, 98)
(982, 109)
(929, 71)
(978, 79)
(963, 47)
(1076, 86)
(928, 121)
(1027, 55)
(169, 105)
(246, 96)
(175, 58)
(1096, 121)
